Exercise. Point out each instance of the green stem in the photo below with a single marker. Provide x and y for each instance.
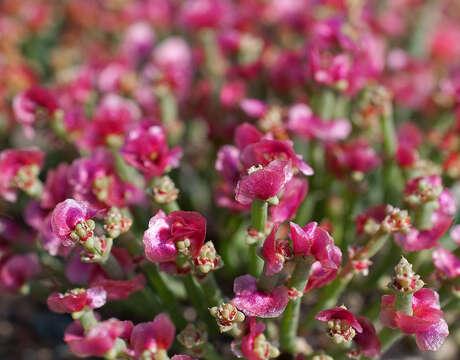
(289, 326)
(424, 214)
(259, 210)
(170, 207)
(199, 301)
(290, 320)
(87, 319)
(388, 337)
(152, 273)
(403, 303)
(113, 268)
(256, 264)
(212, 290)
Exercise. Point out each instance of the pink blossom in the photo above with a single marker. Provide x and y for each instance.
(56, 187)
(146, 148)
(376, 213)
(94, 179)
(98, 339)
(340, 313)
(275, 252)
(368, 341)
(354, 156)
(426, 323)
(77, 300)
(253, 107)
(254, 302)
(15, 270)
(265, 151)
(138, 40)
(313, 240)
(119, 289)
(199, 14)
(302, 121)
(263, 183)
(232, 93)
(294, 193)
(446, 262)
(164, 232)
(247, 134)
(19, 168)
(455, 234)
(113, 117)
(26, 107)
(65, 217)
(152, 336)
(254, 345)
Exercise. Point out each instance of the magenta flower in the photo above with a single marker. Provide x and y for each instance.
(173, 57)
(19, 169)
(98, 339)
(77, 300)
(293, 195)
(113, 118)
(455, 234)
(253, 107)
(367, 340)
(373, 215)
(119, 289)
(275, 252)
(31, 105)
(146, 148)
(67, 215)
(426, 323)
(303, 122)
(315, 241)
(446, 262)
(254, 345)
(263, 182)
(16, 270)
(342, 323)
(199, 14)
(254, 302)
(138, 41)
(247, 134)
(232, 93)
(354, 156)
(57, 187)
(152, 337)
(180, 232)
(266, 151)
(94, 179)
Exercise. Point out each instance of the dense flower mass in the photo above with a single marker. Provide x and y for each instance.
(211, 179)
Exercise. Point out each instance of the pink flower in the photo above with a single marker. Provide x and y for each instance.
(275, 252)
(152, 336)
(313, 240)
(446, 262)
(376, 214)
(455, 234)
(339, 315)
(254, 302)
(369, 343)
(146, 148)
(293, 195)
(426, 323)
(232, 92)
(57, 187)
(247, 134)
(98, 339)
(173, 58)
(303, 122)
(354, 156)
(113, 117)
(253, 107)
(198, 14)
(265, 151)
(77, 300)
(119, 289)
(28, 104)
(138, 40)
(254, 345)
(180, 232)
(406, 155)
(263, 182)
(94, 179)
(15, 270)
(67, 215)
(19, 169)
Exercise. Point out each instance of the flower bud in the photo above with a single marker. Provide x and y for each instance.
(208, 259)
(227, 315)
(405, 279)
(116, 222)
(193, 337)
(164, 190)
